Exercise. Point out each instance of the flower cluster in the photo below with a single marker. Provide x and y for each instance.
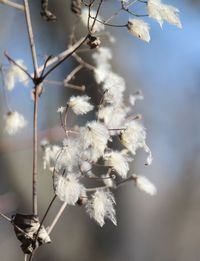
(91, 145)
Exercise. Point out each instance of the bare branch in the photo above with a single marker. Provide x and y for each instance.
(57, 217)
(12, 4)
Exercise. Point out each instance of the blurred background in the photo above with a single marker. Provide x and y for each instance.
(167, 70)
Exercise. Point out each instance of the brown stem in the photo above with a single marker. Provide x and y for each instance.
(35, 150)
(12, 4)
(73, 73)
(31, 38)
(66, 55)
(36, 100)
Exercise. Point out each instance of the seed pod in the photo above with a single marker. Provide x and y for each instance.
(76, 6)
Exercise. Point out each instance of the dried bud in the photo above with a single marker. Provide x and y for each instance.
(45, 13)
(76, 6)
(93, 42)
(26, 229)
(81, 201)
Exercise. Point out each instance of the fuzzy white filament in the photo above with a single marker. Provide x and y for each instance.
(14, 74)
(139, 28)
(144, 184)
(14, 122)
(101, 206)
(80, 104)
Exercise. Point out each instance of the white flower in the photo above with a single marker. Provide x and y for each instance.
(134, 137)
(95, 137)
(101, 207)
(84, 18)
(144, 184)
(118, 160)
(14, 122)
(139, 28)
(68, 188)
(80, 104)
(14, 74)
(160, 12)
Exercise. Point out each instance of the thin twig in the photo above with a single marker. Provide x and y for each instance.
(68, 53)
(31, 38)
(120, 183)
(82, 62)
(5, 217)
(71, 75)
(18, 65)
(57, 217)
(80, 88)
(65, 54)
(12, 4)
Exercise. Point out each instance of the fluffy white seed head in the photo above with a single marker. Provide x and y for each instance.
(118, 160)
(15, 74)
(14, 122)
(144, 184)
(101, 206)
(134, 137)
(113, 117)
(80, 104)
(139, 28)
(102, 57)
(68, 188)
(50, 156)
(94, 137)
(161, 12)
